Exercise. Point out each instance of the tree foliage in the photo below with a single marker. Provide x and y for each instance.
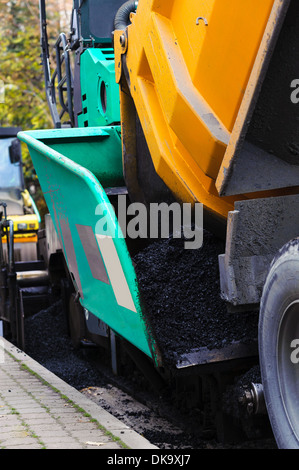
(20, 69)
(21, 73)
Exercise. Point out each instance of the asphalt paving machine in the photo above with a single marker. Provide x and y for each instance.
(193, 102)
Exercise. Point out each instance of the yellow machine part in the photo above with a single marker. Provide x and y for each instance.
(25, 237)
(25, 226)
(192, 69)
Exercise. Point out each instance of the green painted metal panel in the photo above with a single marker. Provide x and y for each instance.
(97, 19)
(62, 159)
(99, 90)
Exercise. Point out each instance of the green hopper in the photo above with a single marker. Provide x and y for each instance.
(76, 169)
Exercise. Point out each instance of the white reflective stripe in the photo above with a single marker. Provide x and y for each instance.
(115, 272)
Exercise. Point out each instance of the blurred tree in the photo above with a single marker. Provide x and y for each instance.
(23, 100)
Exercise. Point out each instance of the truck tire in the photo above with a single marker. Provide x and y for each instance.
(279, 345)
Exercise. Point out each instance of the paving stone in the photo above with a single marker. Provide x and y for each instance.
(30, 407)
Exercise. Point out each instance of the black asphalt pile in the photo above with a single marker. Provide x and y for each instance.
(181, 294)
(47, 341)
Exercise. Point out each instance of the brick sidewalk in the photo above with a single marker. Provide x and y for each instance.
(39, 410)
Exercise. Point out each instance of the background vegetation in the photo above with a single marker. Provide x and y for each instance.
(21, 72)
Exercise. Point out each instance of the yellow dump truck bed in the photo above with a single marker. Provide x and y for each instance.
(195, 72)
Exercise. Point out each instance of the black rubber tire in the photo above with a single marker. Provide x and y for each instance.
(278, 327)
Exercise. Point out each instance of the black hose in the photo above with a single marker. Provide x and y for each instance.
(122, 17)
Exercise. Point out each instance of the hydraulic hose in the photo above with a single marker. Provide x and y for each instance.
(122, 17)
